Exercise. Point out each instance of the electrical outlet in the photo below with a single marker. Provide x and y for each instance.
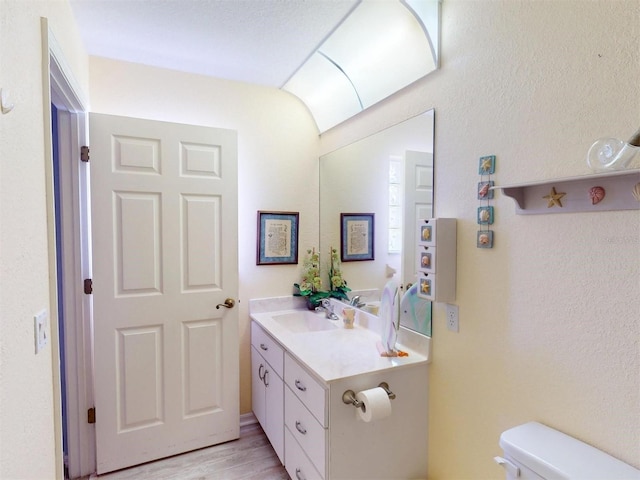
(452, 318)
(40, 321)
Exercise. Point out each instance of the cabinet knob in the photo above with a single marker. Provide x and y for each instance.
(299, 475)
(264, 347)
(266, 378)
(261, 372)
(300, 386)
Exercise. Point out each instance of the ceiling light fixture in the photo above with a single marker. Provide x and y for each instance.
(380, 48)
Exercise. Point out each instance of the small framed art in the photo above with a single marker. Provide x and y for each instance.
(356, 237)
(487, 165)
(484, 239)
(485, 215)
(484, 190)
(277, 241)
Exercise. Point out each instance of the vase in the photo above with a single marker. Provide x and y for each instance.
(311, 304)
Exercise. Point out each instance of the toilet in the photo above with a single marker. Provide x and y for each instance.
(536, 452)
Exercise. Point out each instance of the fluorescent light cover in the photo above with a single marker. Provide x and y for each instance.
(428, 11)
(325, 90)
(380, 48)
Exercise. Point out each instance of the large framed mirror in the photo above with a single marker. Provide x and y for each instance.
(390, 175)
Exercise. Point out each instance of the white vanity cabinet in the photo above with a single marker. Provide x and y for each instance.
(267, 362)
(394, 447)
(322, 437)
(325, 439)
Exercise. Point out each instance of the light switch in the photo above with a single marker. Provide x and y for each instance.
(40, 326)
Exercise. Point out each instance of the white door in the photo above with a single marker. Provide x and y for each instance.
(164, 228)
(418, 204)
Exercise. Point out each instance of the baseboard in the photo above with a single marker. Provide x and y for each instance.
(247, 419)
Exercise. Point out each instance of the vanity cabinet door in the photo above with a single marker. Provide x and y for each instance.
(267, 398)
(258, 389)
(274, 404)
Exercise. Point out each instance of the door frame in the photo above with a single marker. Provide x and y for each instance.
(61, 89)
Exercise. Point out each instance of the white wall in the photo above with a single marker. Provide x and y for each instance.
(27, 431)
(549, 324)
(277, 159)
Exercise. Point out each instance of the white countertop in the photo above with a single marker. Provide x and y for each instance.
(339, 353)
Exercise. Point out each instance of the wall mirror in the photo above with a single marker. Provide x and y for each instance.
(390, 175)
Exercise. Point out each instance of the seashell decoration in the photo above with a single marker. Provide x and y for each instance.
(596, 194)
(636, 191)
(483, 190)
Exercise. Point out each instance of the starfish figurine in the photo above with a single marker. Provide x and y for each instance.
(486, 164)
(554, 198)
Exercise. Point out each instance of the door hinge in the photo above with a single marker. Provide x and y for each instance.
(84, 153)
(88, 286)
(91, 415)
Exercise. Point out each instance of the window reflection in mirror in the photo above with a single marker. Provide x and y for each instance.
(368, 176)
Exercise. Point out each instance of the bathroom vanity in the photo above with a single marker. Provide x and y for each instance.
(303, 363)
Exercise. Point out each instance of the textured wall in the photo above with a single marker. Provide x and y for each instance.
(27, 431)
(549, 326)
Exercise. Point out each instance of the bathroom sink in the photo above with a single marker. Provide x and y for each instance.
(304, 321)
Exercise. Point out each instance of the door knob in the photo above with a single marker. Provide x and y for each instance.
(228, 303)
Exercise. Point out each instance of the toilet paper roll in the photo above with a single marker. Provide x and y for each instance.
(375, 404)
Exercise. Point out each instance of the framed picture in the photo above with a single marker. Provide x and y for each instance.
(484, 190)
(485, 215)
(356, 236)
(277, 242)
(487, 165)
(484, 239)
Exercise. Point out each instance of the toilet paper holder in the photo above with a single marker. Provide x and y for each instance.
(349, 396)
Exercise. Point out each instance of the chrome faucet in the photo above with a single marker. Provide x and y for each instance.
(355, 301)
(325, 304)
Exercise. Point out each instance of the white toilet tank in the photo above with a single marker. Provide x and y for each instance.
(536, 452)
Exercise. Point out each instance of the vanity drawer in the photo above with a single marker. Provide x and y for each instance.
(268, 348)
(312, 394)
(305, 429)
(298, 465)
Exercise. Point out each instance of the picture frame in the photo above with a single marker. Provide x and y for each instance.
(487, 165)
(357, 237)
(277, 239)
(484, 239)
(485, 215)
(484, 190)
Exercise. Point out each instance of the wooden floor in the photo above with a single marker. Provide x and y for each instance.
(249, 458)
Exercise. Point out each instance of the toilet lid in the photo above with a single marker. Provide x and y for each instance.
(553, 454)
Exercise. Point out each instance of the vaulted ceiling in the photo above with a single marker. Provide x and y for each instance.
(256, 41)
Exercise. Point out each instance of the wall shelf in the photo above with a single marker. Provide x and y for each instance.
(572, 194)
